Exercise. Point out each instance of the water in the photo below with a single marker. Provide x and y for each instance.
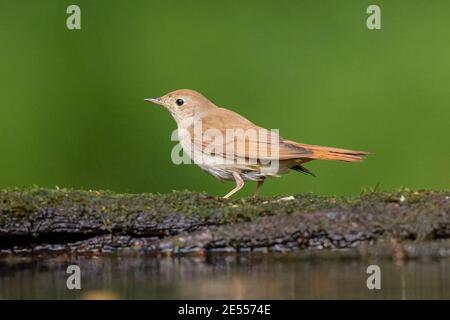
(263, 276)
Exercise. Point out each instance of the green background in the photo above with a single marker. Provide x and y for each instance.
(72, 111)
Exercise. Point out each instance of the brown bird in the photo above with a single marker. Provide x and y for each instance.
(230, 147)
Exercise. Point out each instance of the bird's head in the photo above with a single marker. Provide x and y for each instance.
(183, 103)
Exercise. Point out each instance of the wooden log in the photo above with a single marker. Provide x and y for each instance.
(36, 220)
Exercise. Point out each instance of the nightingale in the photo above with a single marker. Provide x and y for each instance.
(230, 147)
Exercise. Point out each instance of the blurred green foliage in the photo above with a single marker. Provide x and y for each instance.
(72, 111)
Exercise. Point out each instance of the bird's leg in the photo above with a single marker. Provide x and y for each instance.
(258, 187)
(239, 185)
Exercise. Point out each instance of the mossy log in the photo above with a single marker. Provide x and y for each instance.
(35, 221)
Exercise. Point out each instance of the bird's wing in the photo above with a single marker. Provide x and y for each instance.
(230, 135)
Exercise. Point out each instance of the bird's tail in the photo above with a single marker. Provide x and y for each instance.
(329, 153)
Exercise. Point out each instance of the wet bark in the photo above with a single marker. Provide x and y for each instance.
(39, 221)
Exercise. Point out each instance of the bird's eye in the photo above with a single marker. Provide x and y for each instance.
(180, 102)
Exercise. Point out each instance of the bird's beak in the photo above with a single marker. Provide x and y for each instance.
(154, 100)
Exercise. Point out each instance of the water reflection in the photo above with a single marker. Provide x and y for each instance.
(265, 276)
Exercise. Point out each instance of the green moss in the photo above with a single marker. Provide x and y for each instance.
(204, 221)
(120, 211)
(21, 202)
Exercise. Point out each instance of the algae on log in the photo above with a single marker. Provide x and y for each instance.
(42, 220)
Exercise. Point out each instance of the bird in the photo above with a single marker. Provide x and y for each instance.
(230, 147)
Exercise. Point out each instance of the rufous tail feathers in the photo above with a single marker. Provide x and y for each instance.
(330, 153)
